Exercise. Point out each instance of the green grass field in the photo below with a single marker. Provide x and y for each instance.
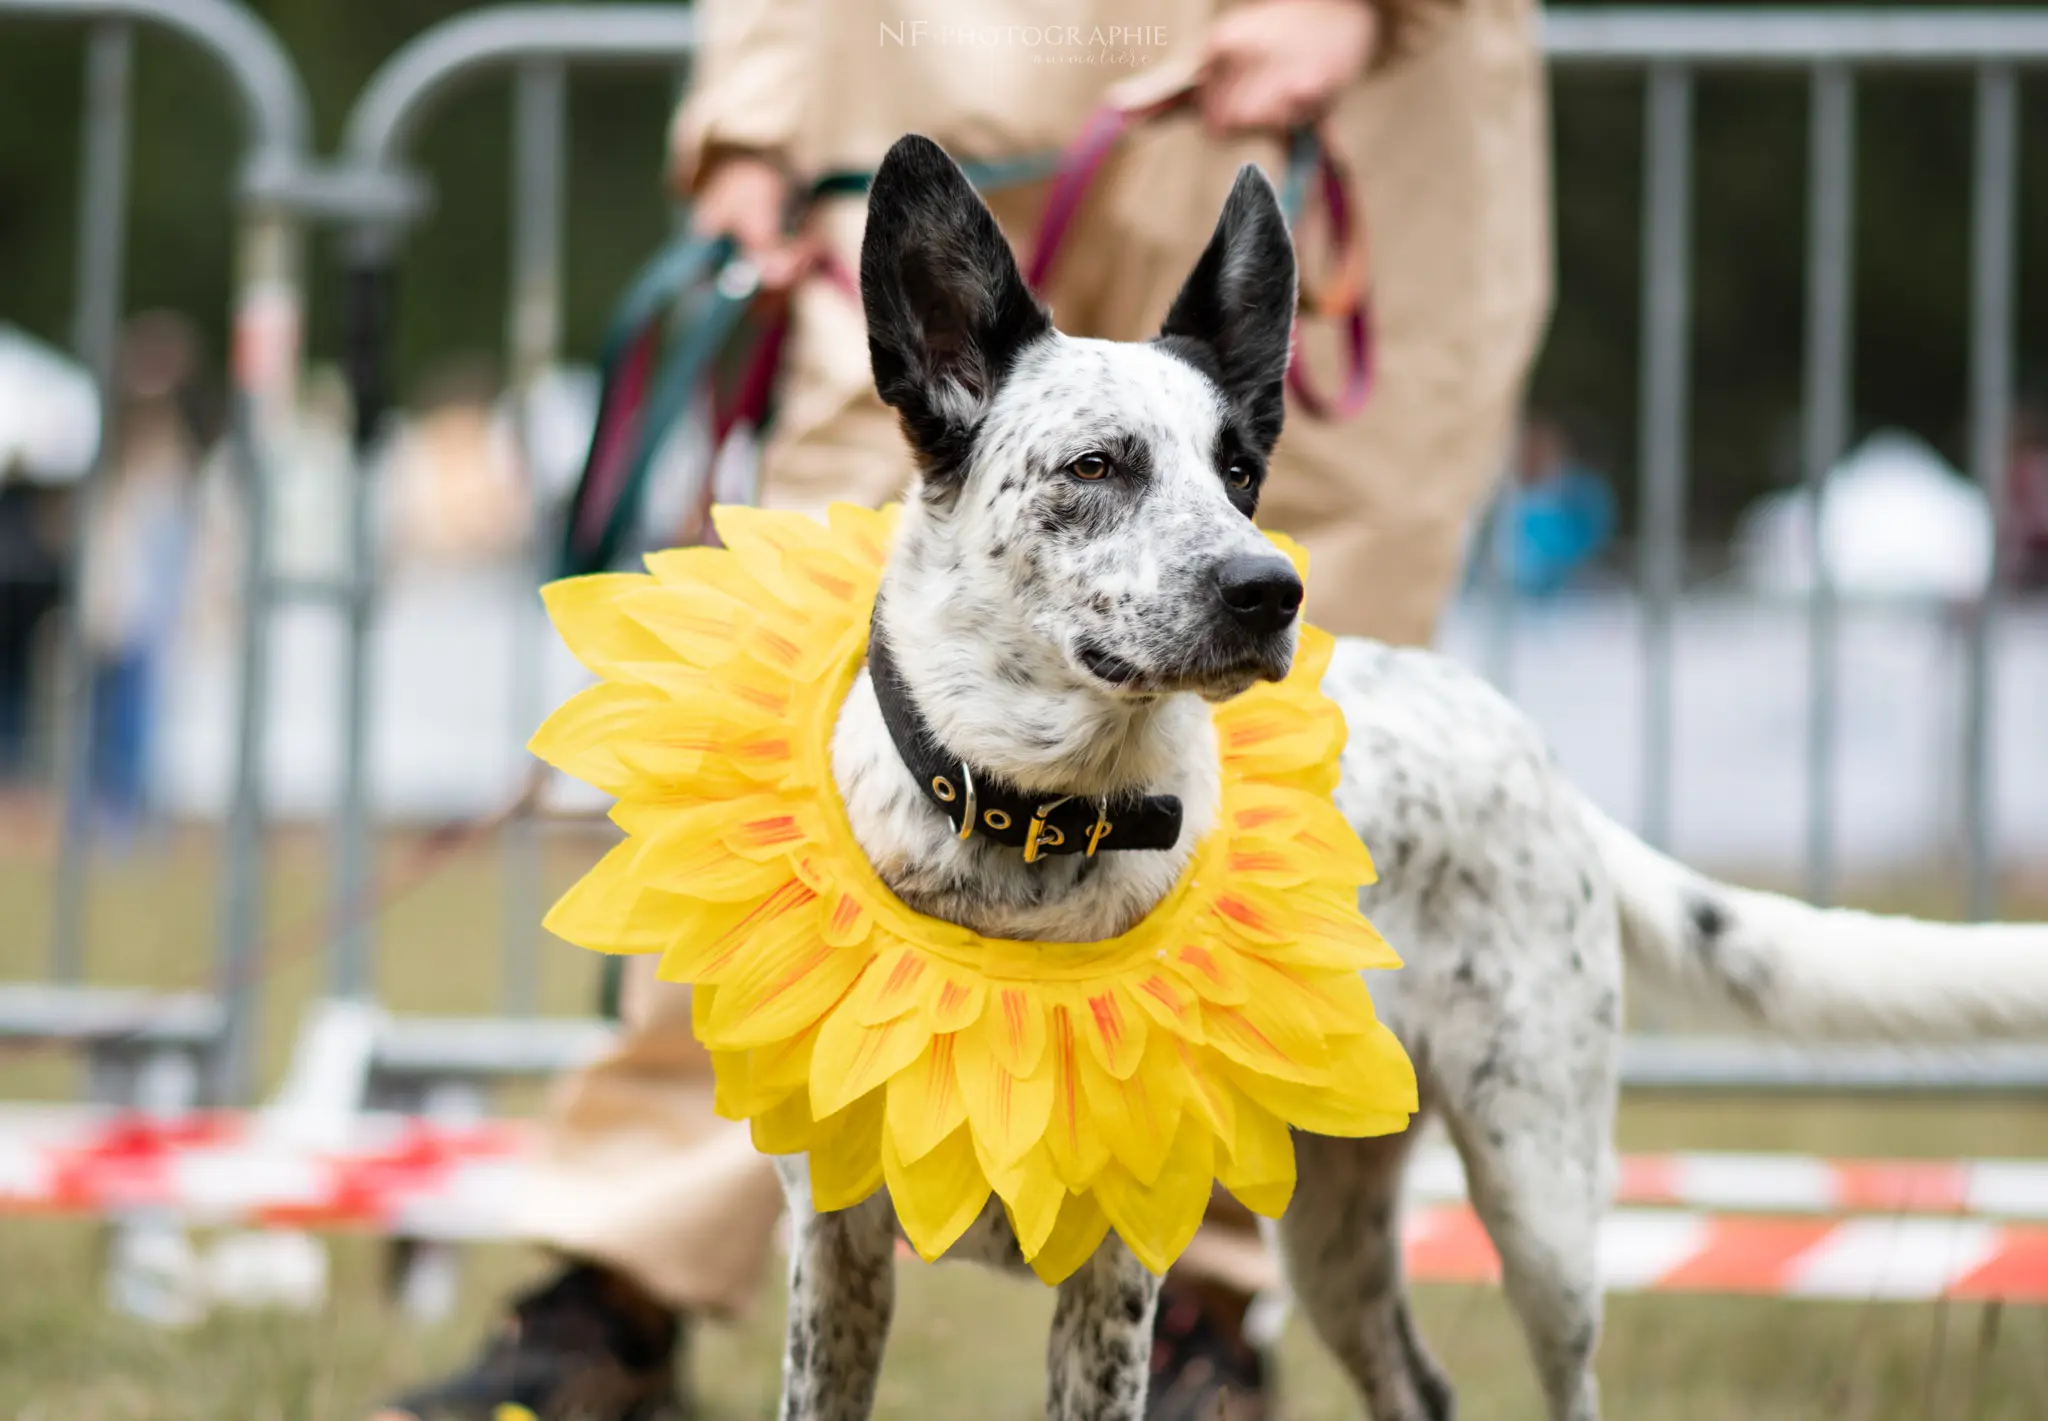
(967, 1344)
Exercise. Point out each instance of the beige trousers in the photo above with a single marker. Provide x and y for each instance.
(638, 1171)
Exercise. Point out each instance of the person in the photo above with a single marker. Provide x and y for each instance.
(136, 555)
(1556, 518)
(661, 1210)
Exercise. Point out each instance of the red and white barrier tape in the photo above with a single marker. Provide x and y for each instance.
(1901, 1259)
(1943, 1229)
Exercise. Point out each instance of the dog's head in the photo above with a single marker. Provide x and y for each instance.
(1100, 494)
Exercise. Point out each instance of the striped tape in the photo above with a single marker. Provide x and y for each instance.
(1718, 1223)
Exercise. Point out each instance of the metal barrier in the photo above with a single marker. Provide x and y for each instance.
(1671, 46)
(267, 318)
(373, 197)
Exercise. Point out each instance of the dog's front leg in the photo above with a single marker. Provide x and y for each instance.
(842, 1292)
(1099, 1356)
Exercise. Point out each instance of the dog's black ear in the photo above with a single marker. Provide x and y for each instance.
(1238, 304)
(946, 307)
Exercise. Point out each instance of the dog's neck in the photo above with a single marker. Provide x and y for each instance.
(1000, 699)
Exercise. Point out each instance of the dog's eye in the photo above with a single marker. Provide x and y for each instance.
(1090, 467)
(1240, 475)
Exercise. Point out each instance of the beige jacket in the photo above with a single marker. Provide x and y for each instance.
(1449, 144)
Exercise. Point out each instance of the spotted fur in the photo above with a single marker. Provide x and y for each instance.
(1061, 623)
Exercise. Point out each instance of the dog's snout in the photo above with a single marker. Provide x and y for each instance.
(1261, 593)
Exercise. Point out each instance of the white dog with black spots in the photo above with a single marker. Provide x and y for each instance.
(1076, 574)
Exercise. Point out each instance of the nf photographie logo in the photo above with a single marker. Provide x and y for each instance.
(1044, 44)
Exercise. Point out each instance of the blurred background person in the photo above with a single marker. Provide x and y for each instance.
(660, 1208)
(1556, 513)
(137, 553)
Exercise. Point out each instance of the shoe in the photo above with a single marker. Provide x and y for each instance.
(1202, 1368)
(587, 1345)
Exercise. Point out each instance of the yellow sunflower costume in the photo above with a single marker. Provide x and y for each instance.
(1089, 1085)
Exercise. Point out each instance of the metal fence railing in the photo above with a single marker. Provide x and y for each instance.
(372, 196)
(1670, 47)
(276, 133)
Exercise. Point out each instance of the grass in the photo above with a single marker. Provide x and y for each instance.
(966, 1343)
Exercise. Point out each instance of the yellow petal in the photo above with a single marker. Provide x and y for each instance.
(1371, 1089)
(846, 1155)
(724, 938)
(892, 987)
(1031, 1192)
(581, 737)
(1158, 1218)
(1170, 1002)
(1209, 1094)
(688, 854)
(1213, 969)
(1073, 1135)
(784, 1130)
(846, 921)
(608, 910)
(1342, 854)
(865, 533)
(1075, 1236)
(1254, 915)
(852, 1059)
(772, 829)
(779, 1070)
(935, 1197)
(716, 568)
(953, 1000)
(925, 1105)
(1259, 1165)
(772, 997)
(700, 625)
(589, 614)
(1009, 1114)
(1114, 1029)
(1330, 933)
(1137, 1117)
(1269, 1038)
(1015, 1023)
(707, 745)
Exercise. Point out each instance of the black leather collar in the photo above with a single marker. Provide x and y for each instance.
(983, 807)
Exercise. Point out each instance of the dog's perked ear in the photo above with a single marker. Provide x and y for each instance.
(947, 309)
(1237, 307)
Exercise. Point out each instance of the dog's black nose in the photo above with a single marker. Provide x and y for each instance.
(1262, 593)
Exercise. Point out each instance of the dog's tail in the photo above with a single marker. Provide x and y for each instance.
(1802, 971)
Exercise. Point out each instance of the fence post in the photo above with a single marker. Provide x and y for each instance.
(269, 283)
(539, 129)
(1994, 214)
(1667, 282)
(96, 337)
(1830, 260)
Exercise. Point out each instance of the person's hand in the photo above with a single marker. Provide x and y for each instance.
(1278, 64)
(745, 197)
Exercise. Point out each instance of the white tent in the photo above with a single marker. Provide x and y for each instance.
(1896, 521)
(49, 412)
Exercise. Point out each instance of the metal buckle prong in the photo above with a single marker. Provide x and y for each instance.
(967, 819)
(1032, 835)
(1101, 830)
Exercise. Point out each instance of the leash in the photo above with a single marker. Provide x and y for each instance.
(703, 291)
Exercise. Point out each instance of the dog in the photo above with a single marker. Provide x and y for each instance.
(1076, 576)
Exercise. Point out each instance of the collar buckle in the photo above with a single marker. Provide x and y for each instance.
(1037, 836)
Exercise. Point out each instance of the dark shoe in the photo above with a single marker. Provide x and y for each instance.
(587, 1345)
(1202, 1368)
